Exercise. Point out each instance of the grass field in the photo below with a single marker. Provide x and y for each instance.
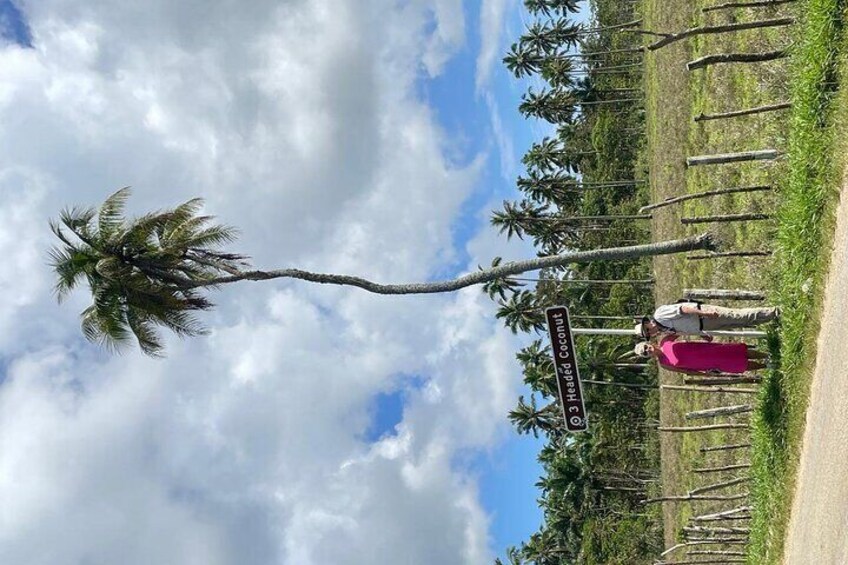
(803, 197)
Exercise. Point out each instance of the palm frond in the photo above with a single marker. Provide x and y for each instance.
(110, 216)
(145, 333)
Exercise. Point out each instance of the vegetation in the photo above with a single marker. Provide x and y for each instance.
(583, 189)
(805, 225)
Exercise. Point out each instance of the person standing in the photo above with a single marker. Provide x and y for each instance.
(693, 318)
(701, 357)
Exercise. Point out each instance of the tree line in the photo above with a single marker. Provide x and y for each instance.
(582, 189)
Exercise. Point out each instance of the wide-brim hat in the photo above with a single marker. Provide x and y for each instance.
(641, 349)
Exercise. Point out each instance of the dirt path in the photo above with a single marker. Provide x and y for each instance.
(818, 528)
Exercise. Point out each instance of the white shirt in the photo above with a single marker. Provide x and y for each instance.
(670, 315)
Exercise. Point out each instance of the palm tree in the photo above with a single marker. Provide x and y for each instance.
(545, 156)
(139, 271)
(522, 61)
(552, 36)
(559, 71)
(547, 6)
(528, 419)
(521, 312)
(149, 271)
(553, 106)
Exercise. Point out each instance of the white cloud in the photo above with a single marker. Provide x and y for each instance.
(298, 122)
(506, 148)
(492, 13)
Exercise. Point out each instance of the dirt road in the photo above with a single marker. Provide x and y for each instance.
(818, 528)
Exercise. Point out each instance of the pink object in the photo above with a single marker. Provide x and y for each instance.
(704, 356)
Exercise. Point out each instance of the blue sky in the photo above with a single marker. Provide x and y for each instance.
(313, 425)
(508, 473)
(13, 26)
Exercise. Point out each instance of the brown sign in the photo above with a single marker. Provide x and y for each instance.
(565, 362)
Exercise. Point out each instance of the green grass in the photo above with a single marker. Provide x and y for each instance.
(815, 136)
(674, 96)
(805, 227)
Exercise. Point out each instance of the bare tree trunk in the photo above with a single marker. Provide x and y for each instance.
(735, 58)
(608, 218)
(758, 110)
(715, 530)
(624, 25)
(728, 254)
(688, 497)
(592, 282)
(669, 201)
(713, 552)
(724, 218)
(729, 380)
(725, 447)
(739, 26)
(717, 486)
(721, 158)
(598, 184)
(752, 4)
(722, 411)
(623, 385)
(703, 428)
(721, 294)
(722, 469)
(733, 511)
(610, 68)
(743, 518)
(704, 241)
(599, 53)
(702, 562)
(716, 541)
(713, 389)
(605, 102)
(605, 317)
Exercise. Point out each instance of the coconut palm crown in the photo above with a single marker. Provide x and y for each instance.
(143, 272)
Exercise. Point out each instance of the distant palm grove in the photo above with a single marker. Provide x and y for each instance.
(582, 189)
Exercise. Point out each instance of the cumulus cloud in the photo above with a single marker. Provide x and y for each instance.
(492, 14)
(298, 122)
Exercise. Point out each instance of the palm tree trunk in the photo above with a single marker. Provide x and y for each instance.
(724, 218)
(687, 497)
(729, 253)
(717, 486)
(734, 190)
(735, 58)
(752, 4)
(728, 380)
(604, 102)
(680, 429)
(721, 411)
(725, 447)
(624, 25)
(747, 112)
(711, 389)
(775, 22)
(723, 158)
(722, 469)
(599, 53)
(592, 282)
(703, 241)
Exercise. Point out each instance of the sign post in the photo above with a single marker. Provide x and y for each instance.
(567, 375)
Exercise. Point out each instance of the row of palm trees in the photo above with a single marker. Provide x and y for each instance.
(581, 189)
